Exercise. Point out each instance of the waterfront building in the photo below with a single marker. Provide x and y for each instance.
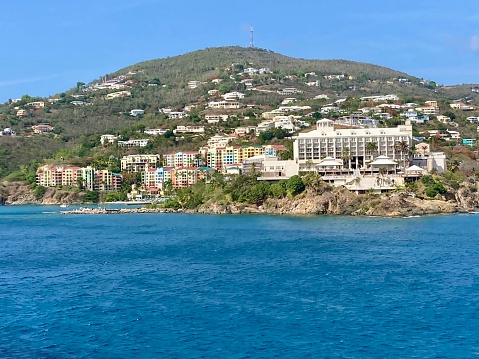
(359, 145)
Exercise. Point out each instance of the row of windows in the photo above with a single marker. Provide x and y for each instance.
(359, 139)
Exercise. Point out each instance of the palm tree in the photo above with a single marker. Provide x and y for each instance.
(371, 147)
(309, 163)
(346, 156)
(402, 147)
(198, 160)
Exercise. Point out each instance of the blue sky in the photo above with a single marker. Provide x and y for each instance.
(47, 46)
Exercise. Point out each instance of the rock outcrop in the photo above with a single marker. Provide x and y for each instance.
(329, 201)
(340, 201)
(21, 193)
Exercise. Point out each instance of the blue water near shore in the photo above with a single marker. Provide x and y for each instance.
(192, 286)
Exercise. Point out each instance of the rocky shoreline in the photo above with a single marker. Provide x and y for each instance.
(336, 201)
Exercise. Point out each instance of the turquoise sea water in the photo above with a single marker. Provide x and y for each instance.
(204, 286)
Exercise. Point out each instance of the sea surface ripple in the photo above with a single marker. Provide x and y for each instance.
(246, 286)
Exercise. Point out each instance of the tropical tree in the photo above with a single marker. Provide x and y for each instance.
(309, 163)
(346, 156)
(295, 185)
(371, 147)
(402, 147)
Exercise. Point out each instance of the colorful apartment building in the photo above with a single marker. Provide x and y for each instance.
(181, 159)
(137, 163)
(88, 177)
(220, 157)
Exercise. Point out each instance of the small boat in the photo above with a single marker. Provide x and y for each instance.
(64, 205)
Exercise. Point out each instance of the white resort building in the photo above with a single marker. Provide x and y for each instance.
(358, 146)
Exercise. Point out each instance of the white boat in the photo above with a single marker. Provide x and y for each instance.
(64, 205)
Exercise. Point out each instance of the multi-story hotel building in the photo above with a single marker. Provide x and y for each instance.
(328, 141)
(137, 163)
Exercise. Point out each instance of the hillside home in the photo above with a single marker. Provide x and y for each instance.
(36, 104)
(194, 84)
(357, 120)
(264, 126)
(7, 132)
(173, 115)
(461, 106)
(250, 71)
(391, 106)
(104, 139)
(288, 100)
(334, 77)
(118, 94)
(289, 91)
(137, 112)
(21, 113)
(265, 70)
(428, 110)
(215, 118)
(430, 161)
(247, 82)
(245, 130)
(155, 131)
(329, 108)
(219, 141)
(134, 143)
(233, 96)
(189, 129)
(443, 119)
(453, 135)
(189, 108)
(225, 105)
(468, 141)
(42, 128)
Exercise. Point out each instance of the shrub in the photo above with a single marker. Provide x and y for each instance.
(295, 185)
(91, 197)
(277, 190)
(39, 192)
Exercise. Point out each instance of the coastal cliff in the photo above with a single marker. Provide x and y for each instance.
(340, 201)
(19, 193)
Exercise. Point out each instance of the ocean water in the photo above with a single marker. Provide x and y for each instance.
(205, 286)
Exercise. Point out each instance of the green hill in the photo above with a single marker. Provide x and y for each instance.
(164, 83)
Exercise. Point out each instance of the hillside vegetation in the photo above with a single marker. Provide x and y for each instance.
(163, 83)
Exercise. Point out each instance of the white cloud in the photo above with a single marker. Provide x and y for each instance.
(474, 43)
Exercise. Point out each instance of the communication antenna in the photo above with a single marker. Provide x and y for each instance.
(251, 42)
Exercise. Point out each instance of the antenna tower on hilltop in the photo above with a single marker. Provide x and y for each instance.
(251, 42)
